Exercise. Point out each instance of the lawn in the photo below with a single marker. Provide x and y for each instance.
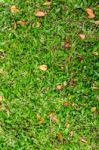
(54, 106)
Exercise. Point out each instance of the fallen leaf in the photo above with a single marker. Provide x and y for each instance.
(60, 136)
(22, 22)
(97, 22)
(67, 44)
(97, 96)
(40, 119)
(59, 87)
(43, 67)
(53, 117)
(82, 36)
(14, 25)
(38, 24)
(95, 53)
(90, 13)
(40, 13)
(93, 109)
(1, 98)
(71, 133)
(47, 3)
(14, 9)
(66, 104)
(83, 139)
(67, 125)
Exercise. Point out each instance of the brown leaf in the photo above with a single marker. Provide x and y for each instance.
(90, 13)
(83, 139)
(43, 67)
(66, 104)
(40, 13)
(67, 44)
(97, 22)
(14, 9)
(93, 109)
(53, 117)
(47, 3)
(59, 87)
(82, 36)
(97, 96)
(22, 22)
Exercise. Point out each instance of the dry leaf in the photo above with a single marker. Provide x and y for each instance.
(14, 9)
(95, 53)
(38, 24)
(60, 137)
(1, 98)
(83, 139)
(90, 13)
(40, 13)
(47, 3)
(97, 22)
(67, 44)
(53, 117)
(93, 109)
(97, 96)
(15, 26)
(71, 133)
(82, 36)
(59, 87)
(22, 22)
(40, 119)
(43, 67)
(66, 104)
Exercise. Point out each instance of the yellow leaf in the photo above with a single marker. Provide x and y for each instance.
(14, 9)
(38, 24)
(93, 109)
(43, 67)
(1, 98)
(47, 3)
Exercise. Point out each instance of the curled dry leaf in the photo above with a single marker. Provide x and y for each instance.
(67, 44)
(14, 9)
(22, 22)
(53, 117)
(39, 13)
(47, 3)
(97, 22)
(90, 13)
(82, 36)
(83, 139)
(66, 104)
(59, 87)
(93, 109)
(43, 67)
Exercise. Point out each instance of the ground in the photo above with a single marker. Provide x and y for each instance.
(35, 115)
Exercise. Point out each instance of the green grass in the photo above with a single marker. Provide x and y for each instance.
(28, 91)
